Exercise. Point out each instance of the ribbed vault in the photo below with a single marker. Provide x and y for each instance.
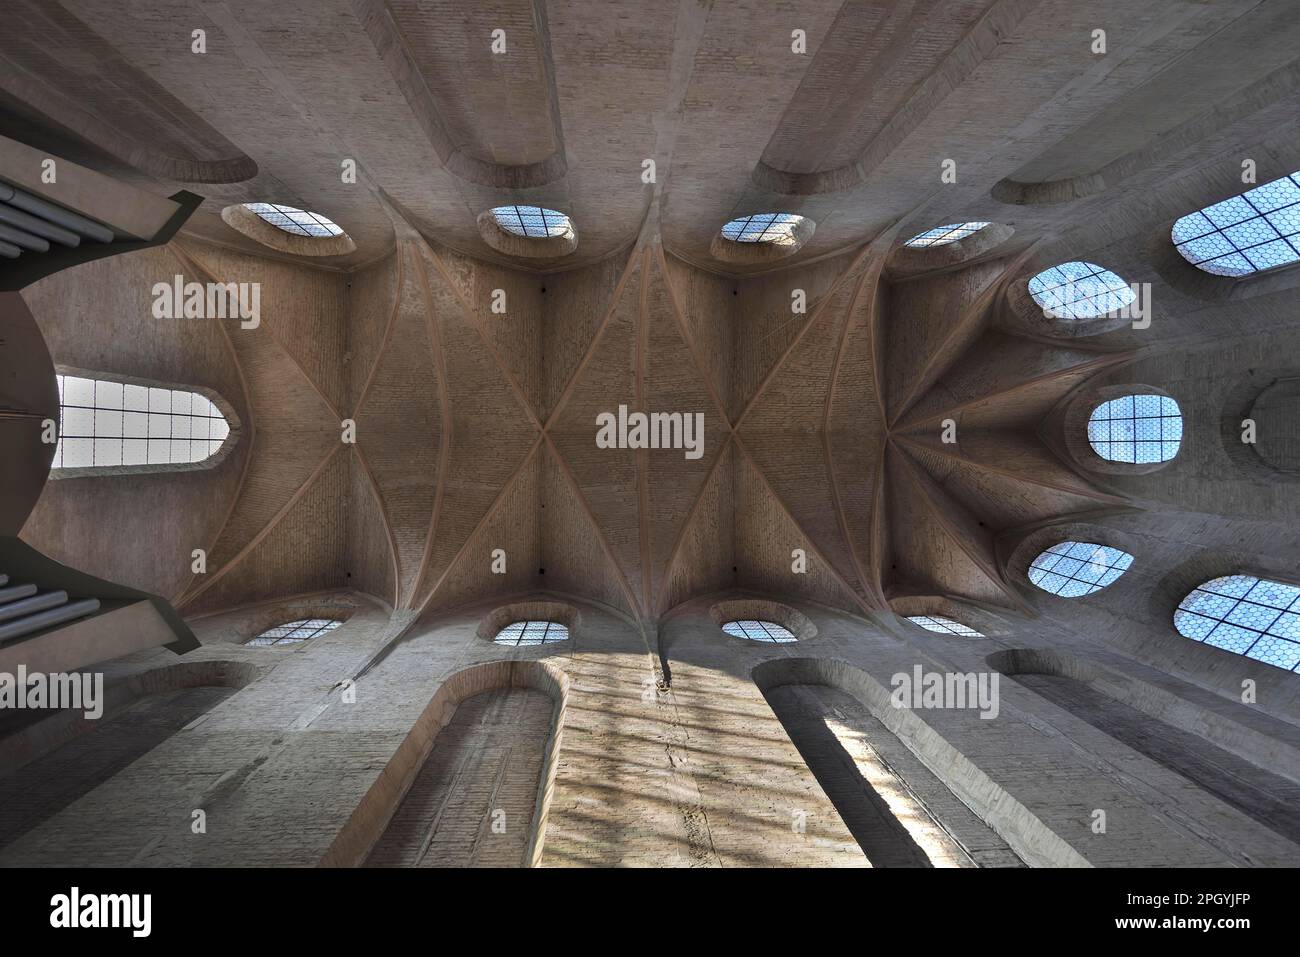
(824, 431)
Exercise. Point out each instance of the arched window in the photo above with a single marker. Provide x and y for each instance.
(775, 228)
(943, 235)
(296, 221)
(105, 423)
(768, 631)
(535, 222)
(944, 626)
(1136, 428)
(532, 633)
(1251, 616)
(1079, 290)
(295, 632)
(1256, 231)
(1074, 569)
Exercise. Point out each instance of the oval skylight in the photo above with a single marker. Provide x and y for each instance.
(1253, 232)
(1079, 290)
(943, 235)
(532, 633)
(775, 228)
(1075, 569)
(944, 626)
(1140, 429)
(767, 631)
(535, 222)
(294, 632)
(299, 222)
(1254, 617)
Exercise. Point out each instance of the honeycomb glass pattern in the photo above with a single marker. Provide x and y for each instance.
(296, 221)
(768, 631)
(532, 633)
(775, 228)
(1075, 569)
(944, 626)
(943, 235)
(1250, 616)
(294, 632)
(1254, 232)
(535, 222)
(1140, 429)
(1079, 291)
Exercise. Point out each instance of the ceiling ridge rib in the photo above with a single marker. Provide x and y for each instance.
(473, 316)
(491, 512)
(266, 529)
(383, 516)
(388, 330)
(642, 454)
(815, 316)
(985, 564)
(869, 279)
(179, 597)
(812, 544)
(878, 539)
(684, 332)
(633, 264)
(1027, 479)
(1102, 361)
(972, 316)
(576, 490)
(691, 513)
(329, 404)
(448, 421)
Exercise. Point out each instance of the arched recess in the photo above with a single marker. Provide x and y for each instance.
(906, 261)
(1258, 408)
(1205, 747)
(487, 742)
(906, 794)
(48, 761)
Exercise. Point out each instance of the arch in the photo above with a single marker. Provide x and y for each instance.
(294, 632)
(907, 260)
(935, 772)
(537, 610)
(1276, 414)
(418, 768)
(48, 761)
(1206, 747)
(761, 609)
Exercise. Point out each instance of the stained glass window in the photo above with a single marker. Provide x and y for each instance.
(776, 228)
(295, 632)
(944, 626)
(296, 221)
(535, 222)
(532, 633)
(943, 235)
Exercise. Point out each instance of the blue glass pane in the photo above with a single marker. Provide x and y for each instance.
(777, 228)
(1079, 290)
(292, 220)
(1245, 615)
(765, 631)
(1258, 230)
(943, 235)
(535, 222)
(1139, 429)
(944, 626)
(1074, 569)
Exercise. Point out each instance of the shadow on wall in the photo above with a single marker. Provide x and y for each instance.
(1110, 705)
(856, 743)
(47, 763)
(471, 782)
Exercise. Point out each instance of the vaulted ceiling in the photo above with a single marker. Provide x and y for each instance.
(824, 428)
